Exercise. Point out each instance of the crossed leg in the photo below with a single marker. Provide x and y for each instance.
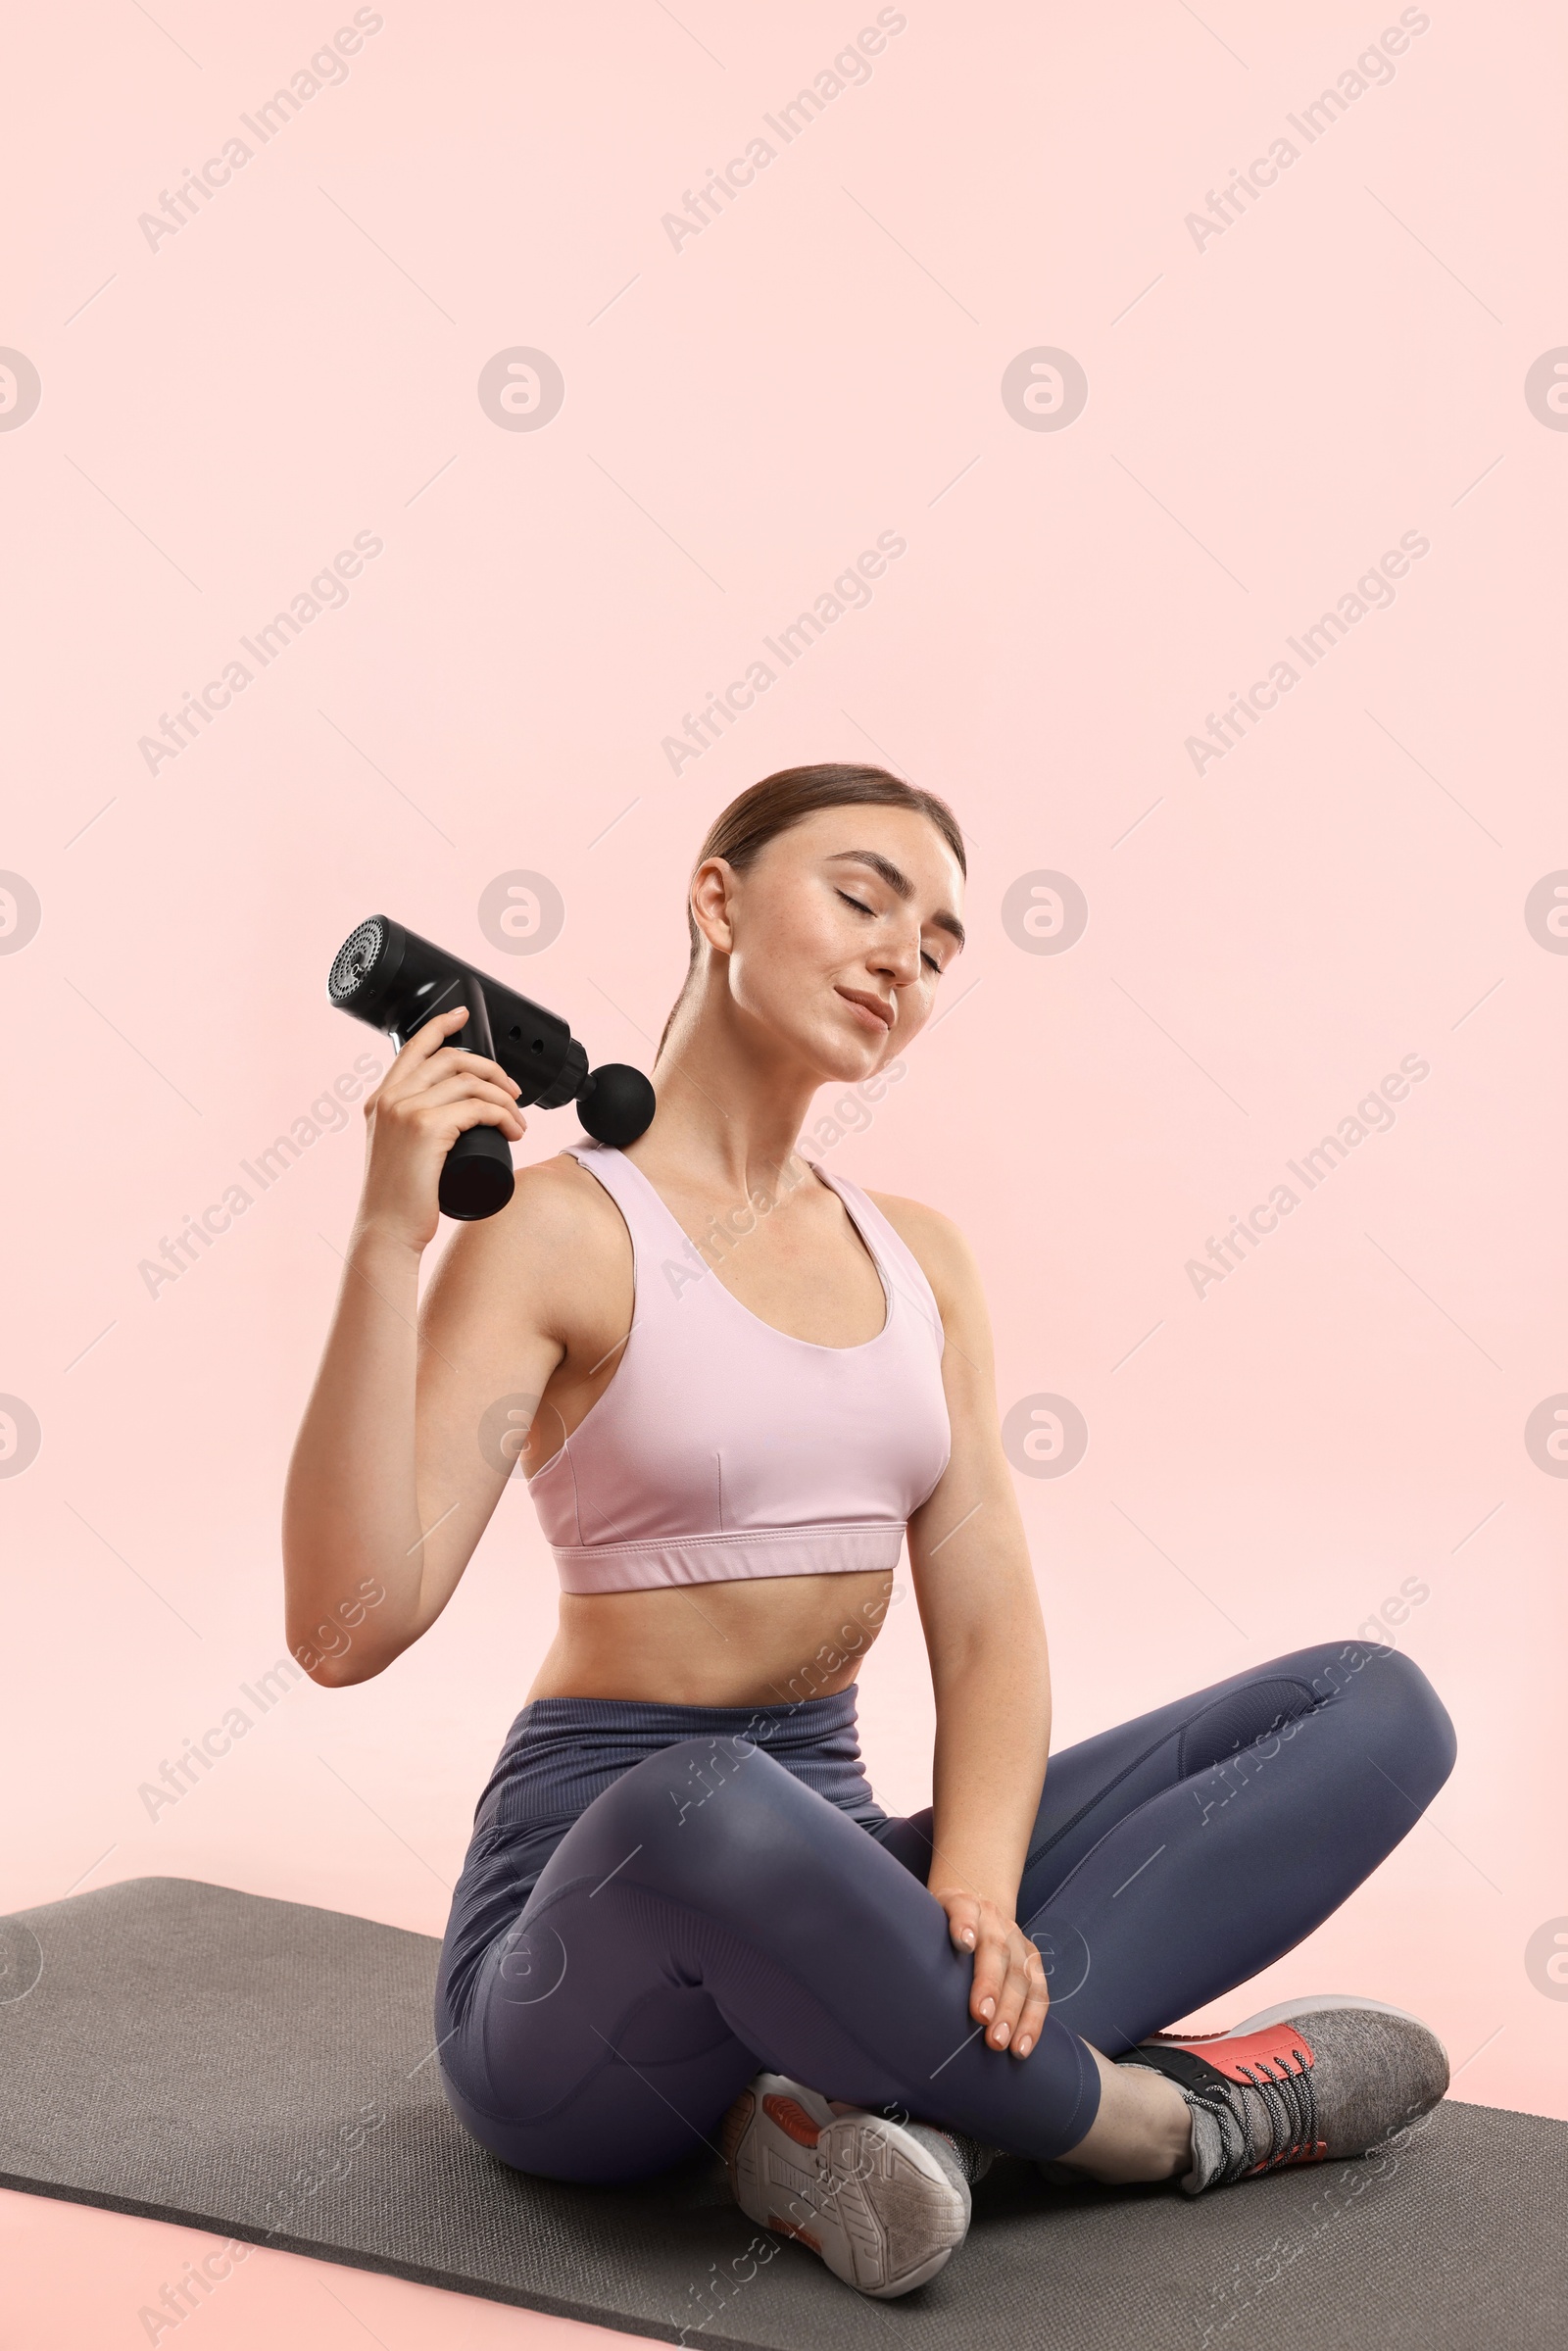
(709, 1916)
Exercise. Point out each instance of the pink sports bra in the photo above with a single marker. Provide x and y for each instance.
(724, 1448)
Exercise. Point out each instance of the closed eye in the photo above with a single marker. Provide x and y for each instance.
(865, 910)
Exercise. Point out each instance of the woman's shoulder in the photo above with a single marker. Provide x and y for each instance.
(557, 1222)
(558, 1254)
(937, 1245)
(560, 1202)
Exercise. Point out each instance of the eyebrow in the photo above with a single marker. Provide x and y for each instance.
(898, 883)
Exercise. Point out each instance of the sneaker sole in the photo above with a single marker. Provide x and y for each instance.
(860, 2191)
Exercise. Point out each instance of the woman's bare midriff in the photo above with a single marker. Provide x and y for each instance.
(756, 1640)
(759, 1641)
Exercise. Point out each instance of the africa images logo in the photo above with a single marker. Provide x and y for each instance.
(20, 389)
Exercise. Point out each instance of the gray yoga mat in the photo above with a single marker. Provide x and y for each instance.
(266, 2070)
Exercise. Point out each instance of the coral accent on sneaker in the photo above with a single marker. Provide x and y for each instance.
(792, 2117)
(1276, 2046)
(1312, 2154)
(794, 2228)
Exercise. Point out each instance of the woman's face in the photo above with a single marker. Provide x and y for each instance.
(839, 933)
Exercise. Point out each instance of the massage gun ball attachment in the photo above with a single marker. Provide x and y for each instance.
(395, 981)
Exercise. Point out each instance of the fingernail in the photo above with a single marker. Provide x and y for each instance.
(968, 1934)
(1025, 2046)
(988, 2008)
(1003, 2033)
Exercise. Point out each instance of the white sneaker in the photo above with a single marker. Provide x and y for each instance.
(883, 2203)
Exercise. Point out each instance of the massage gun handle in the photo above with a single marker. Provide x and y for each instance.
(476, 1178)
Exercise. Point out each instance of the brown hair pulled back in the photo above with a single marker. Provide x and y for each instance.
(760, 814)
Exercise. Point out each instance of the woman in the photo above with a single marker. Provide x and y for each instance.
(738, 1381)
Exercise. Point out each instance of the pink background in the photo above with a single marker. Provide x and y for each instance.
(1265, 416)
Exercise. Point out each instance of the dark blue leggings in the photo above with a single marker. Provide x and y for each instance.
(709, 1913)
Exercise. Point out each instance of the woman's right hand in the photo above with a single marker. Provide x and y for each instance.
(433, 1093)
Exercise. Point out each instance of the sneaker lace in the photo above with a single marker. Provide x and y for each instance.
(1283, 2089)
(1288, 2102)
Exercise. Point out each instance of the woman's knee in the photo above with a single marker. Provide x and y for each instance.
(1405, 1726)
(1426, 1725)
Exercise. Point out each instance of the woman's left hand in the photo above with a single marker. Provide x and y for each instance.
(1008, 1994)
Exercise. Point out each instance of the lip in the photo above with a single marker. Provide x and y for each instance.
(869, 1004)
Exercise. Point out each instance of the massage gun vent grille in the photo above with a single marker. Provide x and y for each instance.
(356, 959)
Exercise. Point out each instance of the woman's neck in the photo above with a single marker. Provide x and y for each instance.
(732, 1101)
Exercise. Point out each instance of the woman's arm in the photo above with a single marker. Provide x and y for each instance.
(388, 1489)
(986, 1639)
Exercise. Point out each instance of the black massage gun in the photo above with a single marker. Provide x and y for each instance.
(395, 981)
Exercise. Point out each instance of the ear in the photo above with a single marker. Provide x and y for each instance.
(712, 887)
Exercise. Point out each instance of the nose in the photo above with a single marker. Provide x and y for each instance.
(899, 955)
